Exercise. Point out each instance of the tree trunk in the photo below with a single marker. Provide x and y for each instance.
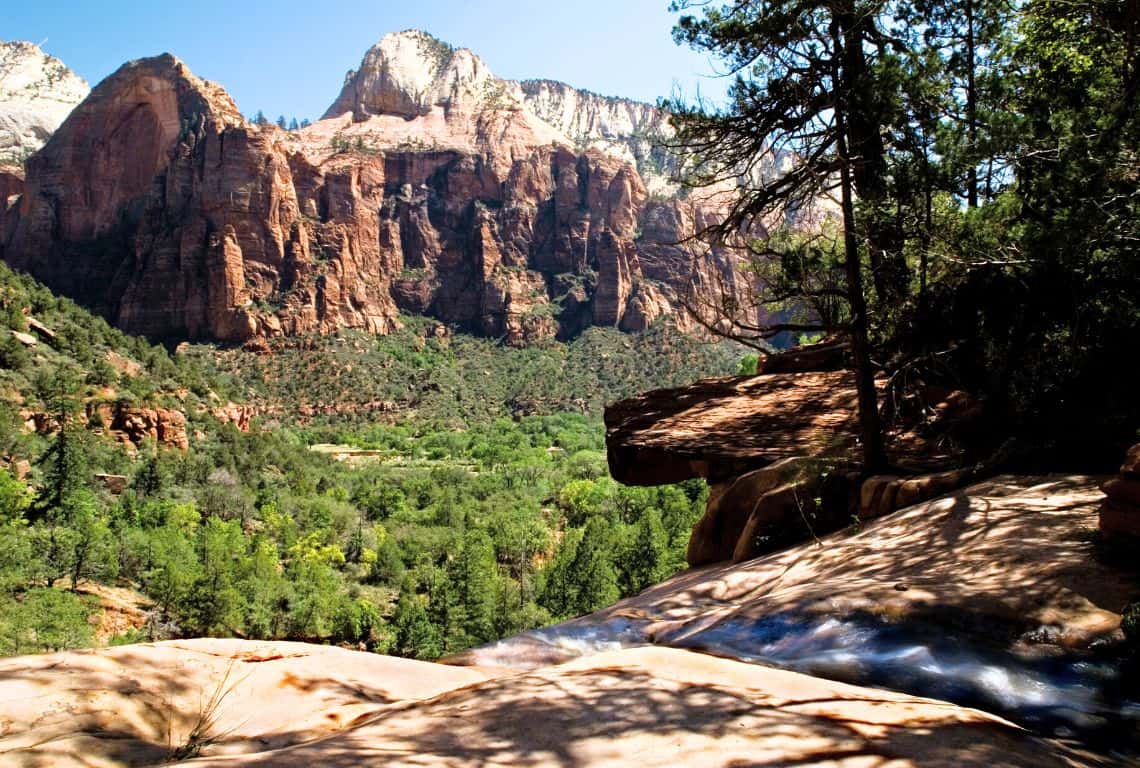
(870, 426)
(867, 157)
(971, 108)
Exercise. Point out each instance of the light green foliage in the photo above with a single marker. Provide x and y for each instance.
(444, 539)
(14, 498)
(43, 619)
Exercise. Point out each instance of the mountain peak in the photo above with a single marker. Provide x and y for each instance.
(37, 91)
(407, 73)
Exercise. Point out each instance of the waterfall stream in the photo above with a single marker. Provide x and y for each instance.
(1092, 696)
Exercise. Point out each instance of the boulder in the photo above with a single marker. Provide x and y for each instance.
(877, 496)
(827, 355)
(730, 505)
(1120, 512)
(1123, 490)
(26, 339)
(792, 505)
(1131, 466)
(115, 484)
(882, 494)
(1120, 521)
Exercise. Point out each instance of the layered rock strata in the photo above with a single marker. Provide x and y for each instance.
(432, 187)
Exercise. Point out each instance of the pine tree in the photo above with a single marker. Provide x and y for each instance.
(809, 106)
(592, 578)
(647, 561)
(474, 574)
(67, 470)
(416, 636)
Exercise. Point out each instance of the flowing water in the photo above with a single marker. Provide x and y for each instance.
(1092, 697)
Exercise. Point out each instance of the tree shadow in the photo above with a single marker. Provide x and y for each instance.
(618, 714)
(136, 705)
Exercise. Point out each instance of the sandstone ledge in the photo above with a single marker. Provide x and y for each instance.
(1020, 551)
(135, 704)
(723, 427)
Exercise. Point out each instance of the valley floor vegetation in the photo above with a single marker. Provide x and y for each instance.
(481, 505)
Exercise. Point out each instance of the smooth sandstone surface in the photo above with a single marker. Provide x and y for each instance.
(135, 705)
(666, 707)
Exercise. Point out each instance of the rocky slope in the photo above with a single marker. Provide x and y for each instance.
(432, 187)
(36, 93)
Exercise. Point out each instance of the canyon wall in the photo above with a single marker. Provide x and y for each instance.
(431, 186)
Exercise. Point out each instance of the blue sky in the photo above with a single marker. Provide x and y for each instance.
(290, 56)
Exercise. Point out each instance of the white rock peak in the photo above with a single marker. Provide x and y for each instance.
(410, 73)
(37, 93)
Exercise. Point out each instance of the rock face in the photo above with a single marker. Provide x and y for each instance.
(1120, 512)
(11, 185)
(129, 425)
(412, 75)
(431, 187)
(36, 93)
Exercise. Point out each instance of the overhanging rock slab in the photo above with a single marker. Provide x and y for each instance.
(724, 427)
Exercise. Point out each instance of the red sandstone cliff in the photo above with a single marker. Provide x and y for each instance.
(431, 187)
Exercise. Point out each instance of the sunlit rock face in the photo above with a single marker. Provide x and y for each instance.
(520, 211)
(411, 75)
(158, 205)
(36, 93)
